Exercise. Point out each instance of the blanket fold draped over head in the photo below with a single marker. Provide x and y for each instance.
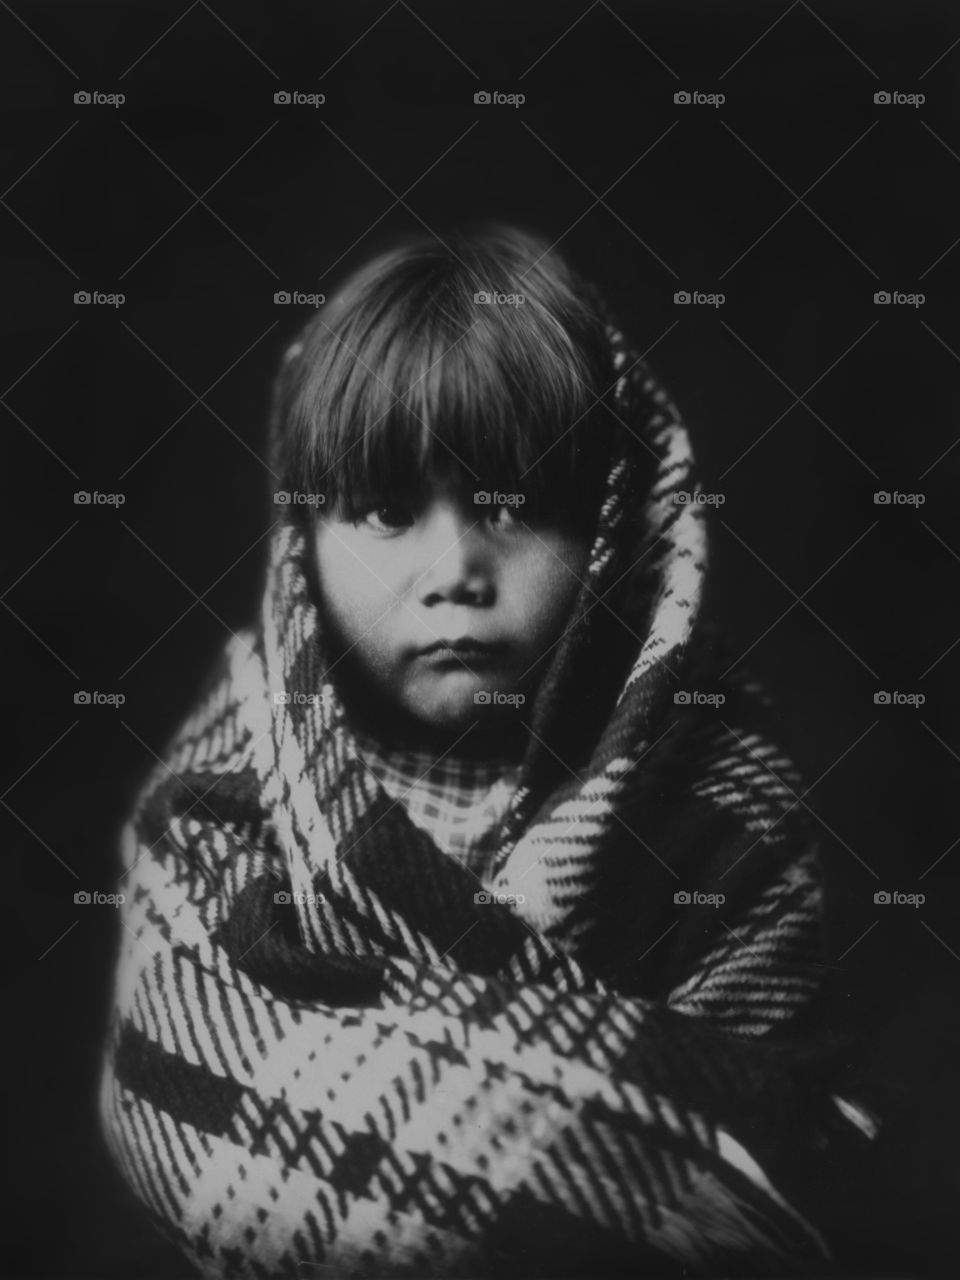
(334, 1053)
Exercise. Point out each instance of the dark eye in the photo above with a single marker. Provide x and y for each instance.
(387, 518)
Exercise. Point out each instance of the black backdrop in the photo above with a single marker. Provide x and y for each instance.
(799, 197)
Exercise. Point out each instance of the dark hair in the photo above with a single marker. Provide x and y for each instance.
(407, 368)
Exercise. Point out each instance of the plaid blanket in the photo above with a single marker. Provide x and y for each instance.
(335, 1052)
(459, 801)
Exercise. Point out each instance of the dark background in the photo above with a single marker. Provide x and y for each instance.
(833, 596)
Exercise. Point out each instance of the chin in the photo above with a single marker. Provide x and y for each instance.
(450, 714)
(453, 716)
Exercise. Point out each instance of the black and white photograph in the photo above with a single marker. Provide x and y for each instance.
(481, 645)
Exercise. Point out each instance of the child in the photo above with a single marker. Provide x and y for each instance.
(472, 927)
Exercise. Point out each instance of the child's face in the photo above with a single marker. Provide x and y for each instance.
(398, 579)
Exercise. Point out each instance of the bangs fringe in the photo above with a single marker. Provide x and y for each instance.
(409, 373)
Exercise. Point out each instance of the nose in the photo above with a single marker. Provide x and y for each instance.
(458, 568)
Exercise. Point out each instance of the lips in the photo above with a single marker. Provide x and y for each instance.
(464, 649)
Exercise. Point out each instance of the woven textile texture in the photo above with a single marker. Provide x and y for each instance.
(332, 1055)
(459, 801)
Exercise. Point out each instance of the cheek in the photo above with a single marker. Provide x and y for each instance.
(546, 583)
(355, 594)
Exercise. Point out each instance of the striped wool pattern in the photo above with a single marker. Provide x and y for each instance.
(327, 1057)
